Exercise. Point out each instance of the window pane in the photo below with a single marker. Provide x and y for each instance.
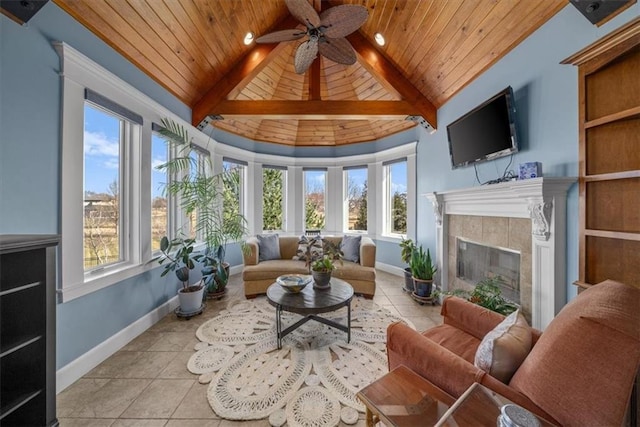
(159, 205)
(232, 191)
(397, 179)
(356, 181)
(272, 198)
(102, 181)
(314, 199)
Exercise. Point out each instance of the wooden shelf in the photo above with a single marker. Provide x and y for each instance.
(17, 404)
(613, 234)
(611, 176)
(631, 113)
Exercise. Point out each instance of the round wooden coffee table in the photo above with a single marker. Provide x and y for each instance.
(310, 302)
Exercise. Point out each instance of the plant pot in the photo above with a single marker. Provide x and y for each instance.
(321, 279)
(408, 280)
(191, 299)
(423, 287)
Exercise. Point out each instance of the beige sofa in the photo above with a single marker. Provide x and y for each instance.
(258, 276)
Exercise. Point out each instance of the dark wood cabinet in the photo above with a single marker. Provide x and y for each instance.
(28, 330)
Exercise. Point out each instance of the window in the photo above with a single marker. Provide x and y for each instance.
(273, 198)
(395, 212)
(159, 201)
(355, 180)
(314, 198)
(106, 140)
(233, 182)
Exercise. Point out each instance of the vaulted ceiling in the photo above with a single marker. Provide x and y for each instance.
(195, 49)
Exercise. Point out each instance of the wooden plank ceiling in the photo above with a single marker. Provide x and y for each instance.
(195, 49)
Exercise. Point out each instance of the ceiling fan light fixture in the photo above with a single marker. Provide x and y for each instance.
(248, 38)
(379, 38)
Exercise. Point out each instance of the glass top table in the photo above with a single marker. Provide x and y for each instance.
(310, 302)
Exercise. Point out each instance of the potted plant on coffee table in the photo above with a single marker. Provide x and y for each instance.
(180, 256)
(407, 246)
(422, 270)
(322, 268)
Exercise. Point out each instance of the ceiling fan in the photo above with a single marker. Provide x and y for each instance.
(326, 33)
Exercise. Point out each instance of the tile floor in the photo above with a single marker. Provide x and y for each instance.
(147, 384)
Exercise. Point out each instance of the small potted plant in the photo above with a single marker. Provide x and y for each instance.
(422, 270)
(407, 246)
(181, 260)
(322, 268)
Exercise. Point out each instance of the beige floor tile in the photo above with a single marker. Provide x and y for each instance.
(381, 299)
(393, 290)
(159, 400)
(172, 341)
(413, 309)
(421, 323)
(195, 404)
(86, 422)
(193, 423)
(402, 298)
(76, 395)
(177, 368)
(125, 422)
(111, 400)
(113, 365)
(148, 364)
(142, 342)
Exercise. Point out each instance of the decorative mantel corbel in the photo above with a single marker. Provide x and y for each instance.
(540, 212)
(438, 206)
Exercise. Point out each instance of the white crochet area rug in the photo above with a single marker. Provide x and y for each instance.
(311, 381)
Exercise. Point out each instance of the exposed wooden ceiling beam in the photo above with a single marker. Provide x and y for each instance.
(243, 72)
(378, 65)
(317, 110)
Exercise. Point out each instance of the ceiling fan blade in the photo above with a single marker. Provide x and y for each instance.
(305, 54)
(343, 20)
(303, 12)
(281, 36)
(338, 50)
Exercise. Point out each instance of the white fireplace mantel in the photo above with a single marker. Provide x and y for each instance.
(543, 200)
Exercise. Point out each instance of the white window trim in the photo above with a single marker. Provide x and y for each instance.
(77, 73)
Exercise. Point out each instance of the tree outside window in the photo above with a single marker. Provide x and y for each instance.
(232, 182)
(314, 198)
(159, 201)
(356, 194)
(273, 198)
(397, 197)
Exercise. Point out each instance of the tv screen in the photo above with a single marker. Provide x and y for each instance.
(485, 133)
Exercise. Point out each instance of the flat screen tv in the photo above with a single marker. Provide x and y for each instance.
(485, 133)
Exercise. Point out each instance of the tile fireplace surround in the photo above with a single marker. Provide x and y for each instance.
(542, 201)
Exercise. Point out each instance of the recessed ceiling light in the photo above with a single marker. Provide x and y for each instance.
(379, 39)
(248, 39)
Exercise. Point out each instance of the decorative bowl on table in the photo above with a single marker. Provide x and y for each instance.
(294, 283)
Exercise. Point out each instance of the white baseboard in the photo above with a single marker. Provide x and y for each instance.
(236, 269)
(391, 269)
(75, 369)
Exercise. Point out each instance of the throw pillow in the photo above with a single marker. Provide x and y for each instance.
(268, 247)
(316, 248)
(503, 350)
(303, 245)
(350, 247)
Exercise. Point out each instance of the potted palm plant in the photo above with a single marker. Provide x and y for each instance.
(407, 246)
(201, 196)
(422, 270)
(181, 260)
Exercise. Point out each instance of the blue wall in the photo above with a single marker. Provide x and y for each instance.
(546, 95)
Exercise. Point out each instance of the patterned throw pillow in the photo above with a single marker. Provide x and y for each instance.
(306, 246)
(301, 253)
(503, 350)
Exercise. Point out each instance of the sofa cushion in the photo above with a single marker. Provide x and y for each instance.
(348, 270)
(272, 269)
(269, 247)
(350, 247)
(502, 351)
(455, 340)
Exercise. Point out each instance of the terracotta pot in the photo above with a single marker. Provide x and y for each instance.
(423, 287)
